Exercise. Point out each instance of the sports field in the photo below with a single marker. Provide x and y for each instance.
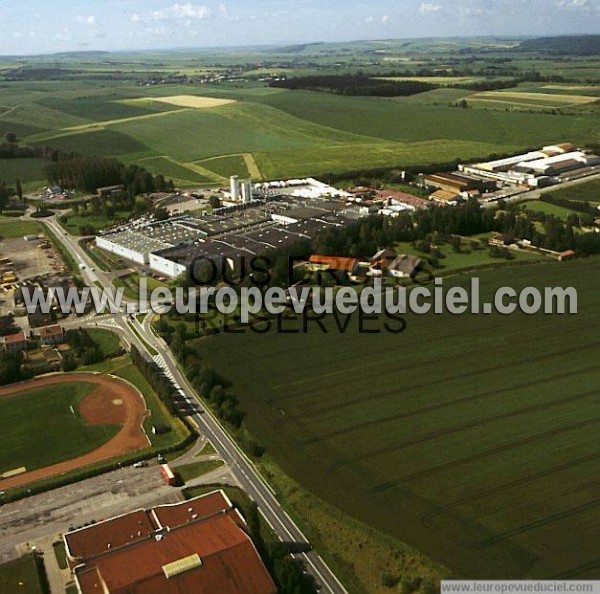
(473, 438)
(59, 423)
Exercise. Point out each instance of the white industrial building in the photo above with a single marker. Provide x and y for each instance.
(536, 168)
(131, 245)
(167, 267)
(559, 163)
(234, 187)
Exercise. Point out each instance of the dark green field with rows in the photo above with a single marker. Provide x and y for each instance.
(473, 438)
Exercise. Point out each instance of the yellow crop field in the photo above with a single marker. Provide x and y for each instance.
(194, 101)
(541, 97)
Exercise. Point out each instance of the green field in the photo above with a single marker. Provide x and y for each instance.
(25, 169)
(73, 222)
(38, 428)
(584, 192)
(22, 575)
(12, 229)
(109, 342)
(189, 472)
(158, 413)
(274, 133)
(549, 209)
(180, 173)
(227, 166)
(471, 438)
(468, 258)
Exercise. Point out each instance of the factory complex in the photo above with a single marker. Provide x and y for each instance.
(253, 220)
(545, 167)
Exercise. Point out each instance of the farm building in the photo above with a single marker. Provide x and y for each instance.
(404, 266)
(200, 546)
(458, 182)
(109, 190)
(446, 197)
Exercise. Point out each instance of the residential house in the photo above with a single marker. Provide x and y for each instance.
(14, 343)
(51, 335)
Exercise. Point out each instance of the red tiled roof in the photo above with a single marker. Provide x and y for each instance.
(229, 562)
(94, 540)
(404, 197)
(55, 330)
(15, 338)
(334, 262)
(182, 513)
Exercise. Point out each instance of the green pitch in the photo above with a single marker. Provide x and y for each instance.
(38, 427)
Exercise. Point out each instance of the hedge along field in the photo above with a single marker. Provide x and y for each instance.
(472, 438)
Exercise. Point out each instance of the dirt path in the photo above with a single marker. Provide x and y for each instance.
(113, 401)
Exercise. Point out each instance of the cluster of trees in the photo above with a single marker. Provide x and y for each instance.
(486, 85)
(12, 370)
(206, 381)
(489, 71)
(156, 378)
(289, 574)
(87, 349)
(90, 173)
(11, 149)
(570, 45)
(7, 192)
(366, 235)
(356, 85)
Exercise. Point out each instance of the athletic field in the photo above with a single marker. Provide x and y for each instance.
(60, 423)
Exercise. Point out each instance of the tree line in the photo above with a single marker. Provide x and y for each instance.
(213, 387)
(90, 173)
(355, 85)
(12, 369)
(156, 378)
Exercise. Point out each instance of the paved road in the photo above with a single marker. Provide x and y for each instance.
(240, 465)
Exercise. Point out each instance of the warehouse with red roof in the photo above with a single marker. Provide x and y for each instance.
(198, 546)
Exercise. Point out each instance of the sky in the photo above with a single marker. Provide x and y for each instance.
(47, 26)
